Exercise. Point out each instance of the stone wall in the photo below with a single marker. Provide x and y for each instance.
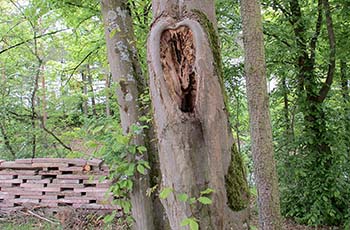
(53, 183)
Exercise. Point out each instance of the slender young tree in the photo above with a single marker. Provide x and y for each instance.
(91, 90)
(195, 144)
(85, 94)
(260, 124)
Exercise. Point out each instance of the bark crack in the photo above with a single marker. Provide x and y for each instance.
(177, 54)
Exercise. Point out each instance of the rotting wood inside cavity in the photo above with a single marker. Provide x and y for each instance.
(177, 53)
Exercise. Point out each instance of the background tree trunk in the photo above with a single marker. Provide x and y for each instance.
(260, 124)
(125, 69)
(195, 144)
(108, 94)
(43, 97)
(91, 90)
(85, 94)
(7, 141)
(345, 94)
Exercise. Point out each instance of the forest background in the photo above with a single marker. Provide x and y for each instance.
(57, 98)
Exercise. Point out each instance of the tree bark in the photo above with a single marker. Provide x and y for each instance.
(345, 94)
(7, 141)
(287, 121)
(260, 124)
(107, 94)
(43, 98)
(33, 107)
(344, 80)
(195, 144)
(91, 89)
(312, 99)
(125, 69)
(85, 92)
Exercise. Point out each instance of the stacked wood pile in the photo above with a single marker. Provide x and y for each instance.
(54, 183)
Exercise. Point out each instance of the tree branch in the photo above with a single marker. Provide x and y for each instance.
(331, 66)
(344, 80)
(277, 38)
(56, 138)
(278, 6)
(31, 39)
(81, 6)
(24, 118)
(9, 30)
(80, 63)
(7, 141)
(314, 38)
(33, 97)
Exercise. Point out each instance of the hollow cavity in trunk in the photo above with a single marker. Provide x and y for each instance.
(177, 53)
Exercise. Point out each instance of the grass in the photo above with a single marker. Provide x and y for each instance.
(32, 225)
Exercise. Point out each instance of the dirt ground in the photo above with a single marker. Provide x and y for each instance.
(72, 220)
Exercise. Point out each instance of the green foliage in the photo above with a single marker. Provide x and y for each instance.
(309, 135)
(30, 226)
(183, 197)
(165, 193)
(203, 199)
(191, 222)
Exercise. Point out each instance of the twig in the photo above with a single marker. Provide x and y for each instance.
(31, 39)
(80, 63)
(41, 217)
(332, 55)
(57, 139)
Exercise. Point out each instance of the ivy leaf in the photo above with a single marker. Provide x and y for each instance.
(185, 222)
(143, 118)
(124, 140)
(132, 149)
(183, 197)
(194, 225)
(192, 200)
(204, 200)
(113, 32)
(109, 218)
(207, 191)
(142, 149)
(165, 193)
(141, 169)
(191, 222)
(146, 164)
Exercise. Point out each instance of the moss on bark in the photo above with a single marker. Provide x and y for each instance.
(236, 184)
(214, 44)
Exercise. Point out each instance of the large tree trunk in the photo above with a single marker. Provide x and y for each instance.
(260, 124)
(195, 144)
(126, 72)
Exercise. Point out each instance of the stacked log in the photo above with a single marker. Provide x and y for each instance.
(54, 183)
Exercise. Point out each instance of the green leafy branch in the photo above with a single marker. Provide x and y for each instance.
(192, 222)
